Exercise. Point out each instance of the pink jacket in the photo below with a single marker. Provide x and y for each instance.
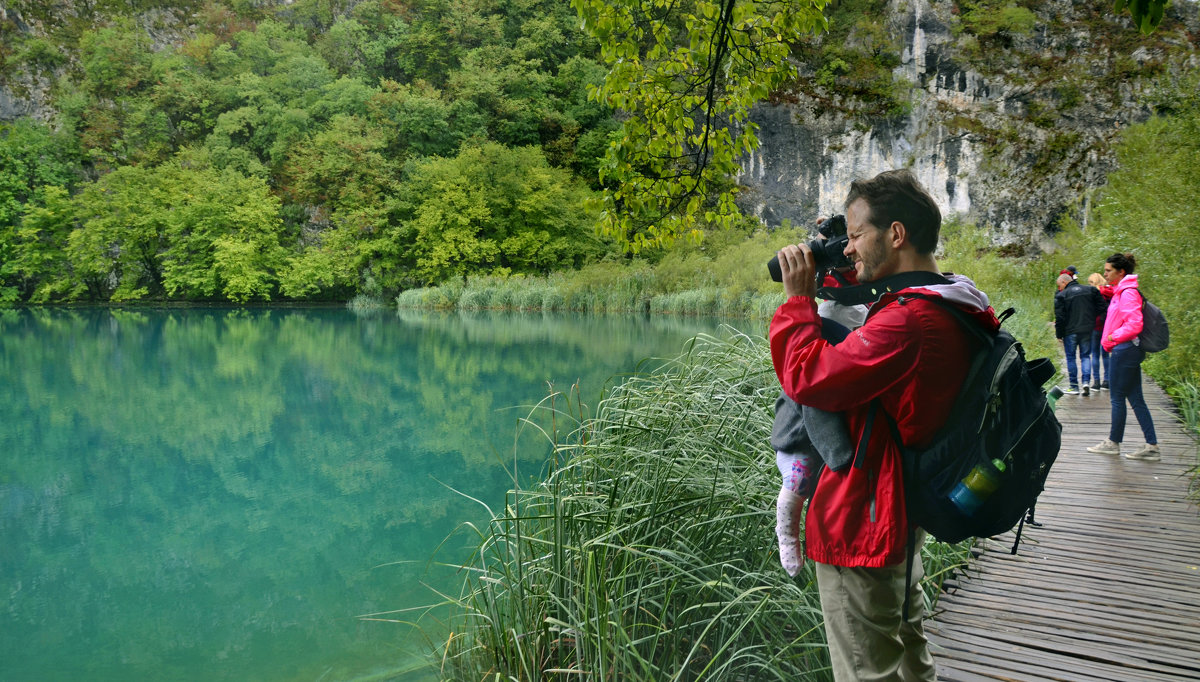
(1124, 321)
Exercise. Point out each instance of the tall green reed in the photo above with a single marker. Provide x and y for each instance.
(648, 551)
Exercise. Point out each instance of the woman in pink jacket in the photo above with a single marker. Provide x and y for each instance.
(1120, 339)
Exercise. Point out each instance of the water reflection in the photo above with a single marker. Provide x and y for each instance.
(206, 493)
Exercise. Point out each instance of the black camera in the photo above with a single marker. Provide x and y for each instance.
(827, 253)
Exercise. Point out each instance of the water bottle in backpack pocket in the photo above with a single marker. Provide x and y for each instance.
(977, 486)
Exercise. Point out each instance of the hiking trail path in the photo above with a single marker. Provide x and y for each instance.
(1108, 588)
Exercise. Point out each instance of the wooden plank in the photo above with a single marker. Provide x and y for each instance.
(1161, 655)
(1162, 624)
(1041, 663)
(1108, 588)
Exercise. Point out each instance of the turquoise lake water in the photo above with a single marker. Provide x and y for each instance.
(223, 494)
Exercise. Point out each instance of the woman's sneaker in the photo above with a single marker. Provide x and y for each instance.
(1147, 453)
(1106, 447)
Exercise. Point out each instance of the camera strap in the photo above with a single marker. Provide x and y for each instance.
(869, 292)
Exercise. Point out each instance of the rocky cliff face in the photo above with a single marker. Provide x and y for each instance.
(1008, 131)
(25, 89)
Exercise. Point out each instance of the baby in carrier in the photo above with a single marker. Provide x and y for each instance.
(805, 439)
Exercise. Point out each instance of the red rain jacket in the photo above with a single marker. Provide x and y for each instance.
(910, 354)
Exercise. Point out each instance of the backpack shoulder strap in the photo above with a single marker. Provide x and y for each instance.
(967, 322)
(977, 361)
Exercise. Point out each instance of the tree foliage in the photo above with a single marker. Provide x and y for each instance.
(32, 158)
(281, 149)
(490, 210)
(687, 74)
(1147, 14)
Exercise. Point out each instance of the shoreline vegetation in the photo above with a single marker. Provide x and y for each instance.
(647, 552)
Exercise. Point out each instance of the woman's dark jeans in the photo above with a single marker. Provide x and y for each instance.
(1125, 382)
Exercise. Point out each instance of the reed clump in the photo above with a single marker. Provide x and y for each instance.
(648, 551)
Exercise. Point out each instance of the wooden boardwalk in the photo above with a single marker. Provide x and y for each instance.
(1108, 588)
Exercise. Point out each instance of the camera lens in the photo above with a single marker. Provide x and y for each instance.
(827, 253)
(773, 268)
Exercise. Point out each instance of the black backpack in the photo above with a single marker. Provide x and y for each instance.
(1156, 333)
(1001, 415)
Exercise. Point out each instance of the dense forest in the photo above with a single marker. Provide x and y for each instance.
(268, 150)
(300, 151)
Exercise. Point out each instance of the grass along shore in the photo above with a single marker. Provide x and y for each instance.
(648, 551)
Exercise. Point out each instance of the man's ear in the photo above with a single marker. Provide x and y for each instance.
(899, 234)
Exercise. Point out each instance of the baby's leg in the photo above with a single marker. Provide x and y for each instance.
(798, 479)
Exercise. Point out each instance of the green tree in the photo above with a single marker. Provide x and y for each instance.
(222, 236)
(32, 156)
(686, 74)
(346, 176)
(1147, 14)
(40, 256)
(419, 120)
(115, 59)
(188, 92)
(342, 47)
(122, 222)
(176, 231)
(491, 209)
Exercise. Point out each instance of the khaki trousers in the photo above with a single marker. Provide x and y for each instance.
(863, 623)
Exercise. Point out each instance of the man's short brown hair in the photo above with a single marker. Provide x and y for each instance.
(897, 196)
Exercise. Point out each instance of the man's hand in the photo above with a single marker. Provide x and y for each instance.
(799, 271)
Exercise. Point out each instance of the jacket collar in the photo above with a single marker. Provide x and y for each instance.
(1127, 282)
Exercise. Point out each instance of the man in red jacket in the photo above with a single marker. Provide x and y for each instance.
(910, 359)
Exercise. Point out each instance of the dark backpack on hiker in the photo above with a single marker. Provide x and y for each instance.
(1001, 414)
(1156, 334)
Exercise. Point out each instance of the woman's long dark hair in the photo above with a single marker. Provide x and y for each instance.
(1122, 261)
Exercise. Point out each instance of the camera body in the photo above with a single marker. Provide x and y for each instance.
(827, 253)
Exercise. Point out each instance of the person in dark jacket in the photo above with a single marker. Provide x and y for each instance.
(910, 358)
(1076, 308)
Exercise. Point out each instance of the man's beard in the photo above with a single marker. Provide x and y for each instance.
(871, 262)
